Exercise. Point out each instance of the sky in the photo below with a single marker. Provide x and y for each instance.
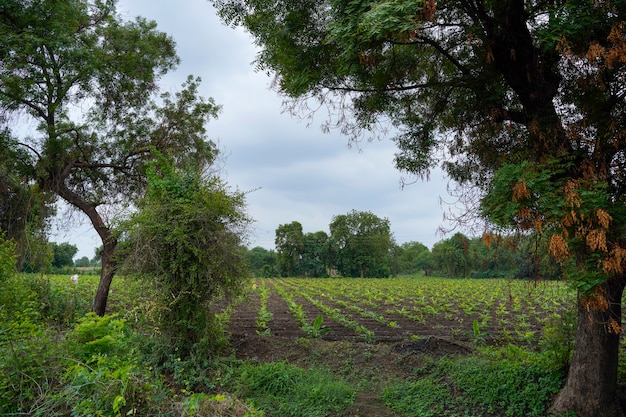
(290, 169)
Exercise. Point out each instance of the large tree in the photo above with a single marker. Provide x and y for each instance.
(524, 100)
(289, 243)
(86, 81)
(360, 244)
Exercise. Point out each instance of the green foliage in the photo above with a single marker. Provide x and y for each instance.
(95, 336)
(289, 391)
(512, 382)
(509, 382)
(427, 397)
(8, 258)
(360, 244)
(186, 237)
(315, 329)
(289, 243)
(411, 258)
(557, 340)
(29, 355)
(63, 254)
(218, 405)
(262, 262)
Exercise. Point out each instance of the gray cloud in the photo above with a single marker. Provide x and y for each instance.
(298, 172)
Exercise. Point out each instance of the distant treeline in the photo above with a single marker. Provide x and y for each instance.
(375, 254)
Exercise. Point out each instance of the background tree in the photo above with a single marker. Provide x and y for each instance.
(360, 244)
(452, 257)
(315, 253)
(82, 262)
(408, 258)
(63, 254)
(186, 238)
(262, 262)
(289, 243)
(525, 98)
(60, 56)
(494, 255)
(24, 209)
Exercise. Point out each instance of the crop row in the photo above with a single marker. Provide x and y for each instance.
(503, 310)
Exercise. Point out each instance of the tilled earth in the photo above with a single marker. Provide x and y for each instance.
(368, 364)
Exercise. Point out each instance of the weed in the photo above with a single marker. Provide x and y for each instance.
(290, 391)
(425, 397)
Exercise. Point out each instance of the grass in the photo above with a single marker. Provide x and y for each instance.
(84, 365)
(505, 382)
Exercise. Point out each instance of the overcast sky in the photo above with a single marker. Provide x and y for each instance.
(299, 173)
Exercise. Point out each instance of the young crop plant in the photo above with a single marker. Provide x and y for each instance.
(478, 336)
(264, 316)
(316, 330)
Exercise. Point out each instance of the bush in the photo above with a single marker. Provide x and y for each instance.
(31, 364)
(106, 377)
(8, 258)
(186, 238)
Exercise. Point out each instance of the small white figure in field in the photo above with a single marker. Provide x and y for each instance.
(74, 278)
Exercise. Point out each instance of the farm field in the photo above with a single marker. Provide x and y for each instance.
(393, 310)
(377, 332)
(399, 347)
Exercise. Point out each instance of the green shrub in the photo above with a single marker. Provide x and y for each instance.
(557, 341)
(289, 391)
(31, 364)
(31, 361)
(218, 405)
(106, 377)
(8, 258)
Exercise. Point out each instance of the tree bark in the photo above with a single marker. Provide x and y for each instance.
(106, 276)
(591, 387)
(109, 242)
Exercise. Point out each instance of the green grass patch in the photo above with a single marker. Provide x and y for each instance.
(508, 381)
(286, 390)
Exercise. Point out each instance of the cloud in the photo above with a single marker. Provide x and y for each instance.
(298, 172)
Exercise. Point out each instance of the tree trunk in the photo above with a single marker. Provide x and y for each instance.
(106, 277)
(591, 387)
(109, 242)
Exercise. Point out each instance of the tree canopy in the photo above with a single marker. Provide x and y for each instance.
(360, 244)
(523, 100)
(88, 82)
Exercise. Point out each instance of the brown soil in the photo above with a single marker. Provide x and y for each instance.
(395, 353)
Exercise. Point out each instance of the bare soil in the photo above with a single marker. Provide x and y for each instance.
(369, 365)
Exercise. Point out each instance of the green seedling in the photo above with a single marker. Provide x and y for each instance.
(316, 330)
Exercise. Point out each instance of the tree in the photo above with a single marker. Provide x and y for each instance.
(523, 100)
(82, 262)
(186, 238)
(289, 243)
(314, 259)
(88, 81)
(360, 244)
(409, 258)
(262, 262)
(63, 254)
(451, 256)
